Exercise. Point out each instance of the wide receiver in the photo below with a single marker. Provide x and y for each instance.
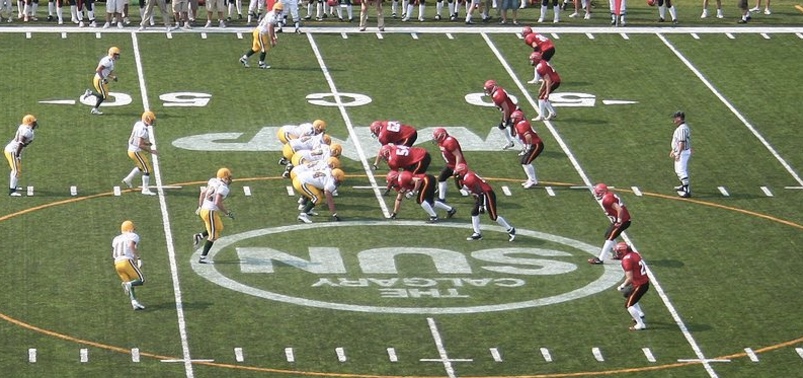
(617, 213)
(506, 106)
(103, 73)
(635, 285)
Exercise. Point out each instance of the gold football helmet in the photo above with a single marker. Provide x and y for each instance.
(29, 119)
(319, 125)
(338, 175)
(114, 51)
(127, 226)
(224, 174)
(335, 149)
(148, 117)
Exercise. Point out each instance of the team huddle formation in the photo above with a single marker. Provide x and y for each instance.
(311, 161)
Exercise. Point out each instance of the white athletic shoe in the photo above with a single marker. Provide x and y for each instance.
(137, 306)
(148, 192)
(95, 111)
(86, 95)
(303, 217)
(705, 13)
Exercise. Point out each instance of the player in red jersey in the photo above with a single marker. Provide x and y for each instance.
(505, 105)
(533, 146)
(453, 155)
(542, 44)
(484, 201)
(414, 159)
(636, 283)
(419, 186)
(551, 82)
(617, 212)
(393, 132)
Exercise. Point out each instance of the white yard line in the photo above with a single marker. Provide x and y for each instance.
(349, 127)
(583, 176)
(733, 109)
(171, 250)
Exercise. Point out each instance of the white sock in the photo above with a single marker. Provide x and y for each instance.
(421, 8)
(542, 108)
(638, 310)
(443, 206)
(549, 107)
(673, 13)
(529, 170)
(442, 186)
(409, 12)
(543, 12)
(428, 208)
(606, 248)
(475, 223)
(506, 133)
(146, 179)
(134, 172)
(502, 222)
(662, 11)
(635, 315)
(13, 177)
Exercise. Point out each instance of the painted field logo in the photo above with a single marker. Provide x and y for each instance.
(382, 276)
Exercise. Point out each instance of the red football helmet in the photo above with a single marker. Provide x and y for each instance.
(439, 134)
(392, 178)
(460, 169)
(516, 116)
(600, 190)
(621, 249)
(490, 85)
(375, 128)
(535, 58)
(385, 150)
(525, 31)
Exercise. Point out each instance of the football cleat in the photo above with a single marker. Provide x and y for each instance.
(15, 194)
(137, 306)
(86, 95)
(95, 111)
(283, 161)
(433, 219)
(638, 327)
(475, 236)
(263, 65)
(683, 194)
(244, 62)
(529, 184)
(594, 261)
(148, 192)
(303, 217)
(511, 234)
(451, 213)
(205, 260)
(196, 239)
(508, 146)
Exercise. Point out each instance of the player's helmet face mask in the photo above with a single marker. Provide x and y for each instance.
(392, 179)
(535, 58)
(440, 134)
(621, 249)
(375, 128)
(516, 116)
(490, 86)
(600, 190)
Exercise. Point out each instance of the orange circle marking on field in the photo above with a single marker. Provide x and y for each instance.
(346, 375)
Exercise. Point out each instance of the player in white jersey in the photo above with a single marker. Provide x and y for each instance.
(315, 185)
(138, 144)
(306, 143)
(681, 153)
(290, 132)
(127, 261)
(321, 153)
(210, 206)
(263, 37)
(103, 73)
(13, 151)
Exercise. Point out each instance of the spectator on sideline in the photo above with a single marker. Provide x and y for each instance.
(757, 8)
(719, 9)
(512, 5)
(380, 18)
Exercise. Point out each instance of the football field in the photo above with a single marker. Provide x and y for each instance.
(373, 297)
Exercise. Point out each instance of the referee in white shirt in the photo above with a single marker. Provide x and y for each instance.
(681, 152)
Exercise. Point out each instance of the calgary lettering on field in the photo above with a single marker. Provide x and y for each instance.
(374, 274)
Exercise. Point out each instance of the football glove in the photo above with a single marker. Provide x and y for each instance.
(392, 215)
(230, 215)
(139, 263)
(335, 217)
(104, 81)
(482, 209)
(198, 211)
(114, 78)
(410, 194)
